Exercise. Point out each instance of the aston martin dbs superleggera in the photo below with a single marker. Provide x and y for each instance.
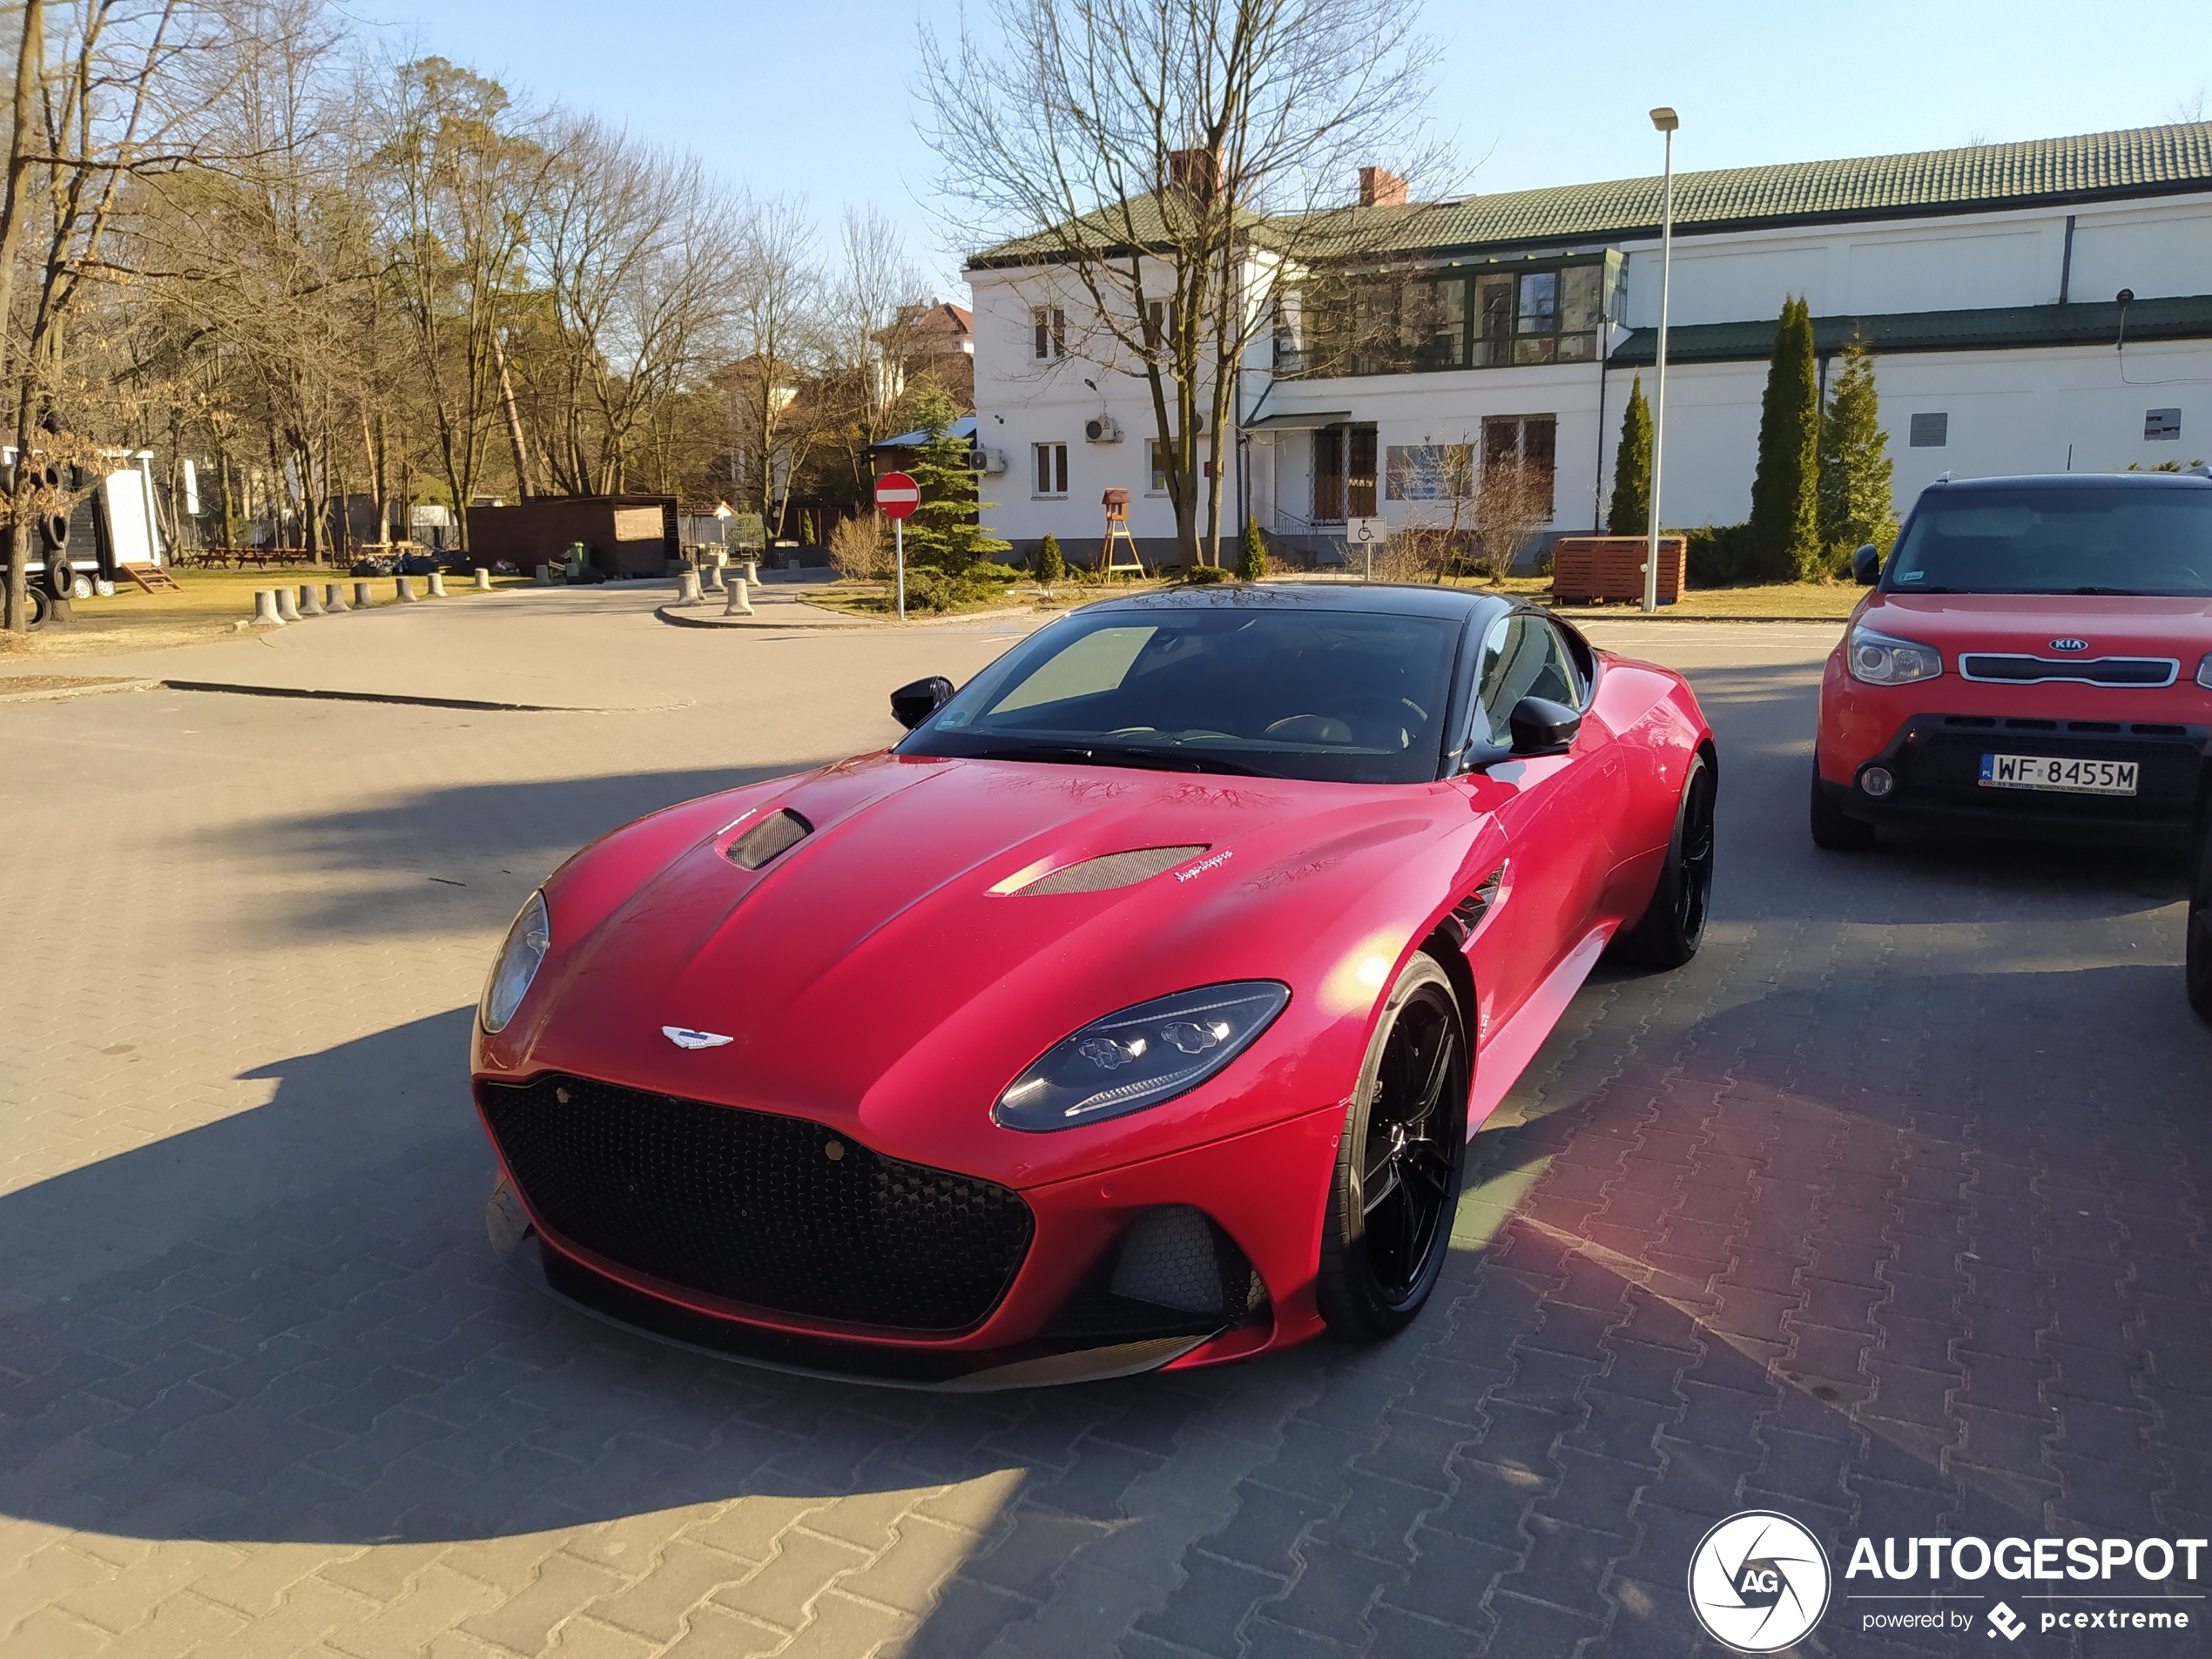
(1134, 1011)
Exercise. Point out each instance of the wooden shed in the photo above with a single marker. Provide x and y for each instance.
(1586, 568)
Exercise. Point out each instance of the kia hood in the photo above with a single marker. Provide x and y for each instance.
(2109, 625)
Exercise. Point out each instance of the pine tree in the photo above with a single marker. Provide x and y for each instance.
(1052, 564)
(1786, 531)
(1629, 513)
(1856, 503)
(1251, 552)
(946, 532)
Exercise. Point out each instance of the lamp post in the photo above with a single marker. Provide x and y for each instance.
(1666, 121)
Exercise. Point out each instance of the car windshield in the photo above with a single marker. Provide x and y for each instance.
(2057, 539)
(1343, 697)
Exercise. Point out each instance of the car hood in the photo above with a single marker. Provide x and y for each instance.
(2113, 624)
(872, 976)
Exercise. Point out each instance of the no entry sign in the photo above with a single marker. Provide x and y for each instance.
(897, 496)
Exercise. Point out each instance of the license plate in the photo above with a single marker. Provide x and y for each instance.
(2070, 777)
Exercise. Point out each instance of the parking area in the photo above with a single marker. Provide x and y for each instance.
(1886, 1212)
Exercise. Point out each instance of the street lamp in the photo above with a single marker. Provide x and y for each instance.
(1666, 120)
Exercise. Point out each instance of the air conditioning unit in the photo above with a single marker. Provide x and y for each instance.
(989, 461)
(1101, 428)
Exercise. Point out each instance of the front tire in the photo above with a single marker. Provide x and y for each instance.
(2198, 925)
(1397, 1184)
(1673, 925)
(1833, 830)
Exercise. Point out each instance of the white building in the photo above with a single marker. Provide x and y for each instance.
(1985, 278)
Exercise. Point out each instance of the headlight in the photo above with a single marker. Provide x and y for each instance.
(2204, 671)
(525, 947)
(1880, 660)
(1141, 1056)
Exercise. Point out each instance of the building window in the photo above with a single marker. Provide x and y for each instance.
(2162, 425)
(1159, 467)
(1052, 467)
(1049, 326)
(1343, 474)
(1930, 431)
(1403, 322)
(1529, 441)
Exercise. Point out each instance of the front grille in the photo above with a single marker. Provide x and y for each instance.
(2095, 670)
(776, 1211)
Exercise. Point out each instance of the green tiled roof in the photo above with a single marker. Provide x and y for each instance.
(1997, 327)
(1983, 177)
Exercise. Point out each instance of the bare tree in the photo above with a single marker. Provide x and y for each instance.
(776, 313)
(1437, 480)
(1180, 164)
(1515, 503)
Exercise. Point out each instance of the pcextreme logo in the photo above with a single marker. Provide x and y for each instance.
(1758, 1582)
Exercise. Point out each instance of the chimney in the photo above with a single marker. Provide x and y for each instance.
(1195, 172)
(1379, 187)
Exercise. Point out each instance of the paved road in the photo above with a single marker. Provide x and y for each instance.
(1888, 1211)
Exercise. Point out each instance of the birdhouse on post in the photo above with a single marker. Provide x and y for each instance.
(1118, 537)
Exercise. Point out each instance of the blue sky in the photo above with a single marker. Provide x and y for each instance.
(815, 97)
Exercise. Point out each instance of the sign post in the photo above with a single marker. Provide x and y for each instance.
(896, 497)
(1368, 533)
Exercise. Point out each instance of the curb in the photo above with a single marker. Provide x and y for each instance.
(670, 614)
(54, 693)
(368, 696)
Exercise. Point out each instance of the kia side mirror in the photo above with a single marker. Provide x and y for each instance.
(1866, 565)
(911, 704)
(1542, 727)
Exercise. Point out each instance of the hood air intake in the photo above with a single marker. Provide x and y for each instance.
(1111, 871)
(776, 833)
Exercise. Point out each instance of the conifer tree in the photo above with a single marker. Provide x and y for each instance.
(1856, 503)
(1052, 563)
(1251, 552)
(1786, 531)
(946, 532)
(1629, 512)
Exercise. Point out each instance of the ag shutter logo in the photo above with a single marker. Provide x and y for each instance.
(1758, 1582)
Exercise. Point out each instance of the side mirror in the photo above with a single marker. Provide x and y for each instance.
(1542, 727)
(1866, 565)
(911, 704)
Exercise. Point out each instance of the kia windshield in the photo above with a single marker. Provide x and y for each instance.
(2085, 539)
(1346, 696)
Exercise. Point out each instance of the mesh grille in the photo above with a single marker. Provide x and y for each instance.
(2099, 671)
(776, 1211)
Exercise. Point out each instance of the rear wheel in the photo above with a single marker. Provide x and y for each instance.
(2200, 919)
(1833, 830)
(1396, 1182)
(1673, 926)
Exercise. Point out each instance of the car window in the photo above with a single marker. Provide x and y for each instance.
(1522, 656)
(2074, 538)
(1344, 696)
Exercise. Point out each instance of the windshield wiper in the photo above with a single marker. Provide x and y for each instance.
(2123, 593)
(1109, 755)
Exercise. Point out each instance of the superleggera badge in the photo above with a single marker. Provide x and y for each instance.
(684, 1037)
(1201, 868)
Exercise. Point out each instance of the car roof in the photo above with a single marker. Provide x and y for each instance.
(2079, 481)
(1454, 604)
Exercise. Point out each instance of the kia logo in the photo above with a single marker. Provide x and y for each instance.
(2069, 644)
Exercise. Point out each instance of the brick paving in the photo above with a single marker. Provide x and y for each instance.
(1887, 1212)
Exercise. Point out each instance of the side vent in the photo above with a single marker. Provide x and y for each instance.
(1467, 914)
(776, 833)
(1103, 874)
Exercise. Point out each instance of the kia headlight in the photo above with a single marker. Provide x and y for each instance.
(1880, 660)
(516, 966)
(1140, 1056)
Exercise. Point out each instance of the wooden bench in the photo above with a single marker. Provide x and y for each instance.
(1587, 569)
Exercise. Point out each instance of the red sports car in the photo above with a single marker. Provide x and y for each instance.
(1133, 1011)
(2036, 657)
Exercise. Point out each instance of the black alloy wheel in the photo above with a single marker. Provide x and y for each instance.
(1397, 1184)
(1673, 925)
(2198, 925)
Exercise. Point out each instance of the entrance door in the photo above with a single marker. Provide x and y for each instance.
(1328, 474)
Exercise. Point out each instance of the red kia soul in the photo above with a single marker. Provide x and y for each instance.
(2035, 658)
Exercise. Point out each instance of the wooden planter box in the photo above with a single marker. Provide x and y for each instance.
(1586, 568)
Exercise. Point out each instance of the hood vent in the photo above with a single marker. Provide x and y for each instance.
(1111, 871)
(776, 833)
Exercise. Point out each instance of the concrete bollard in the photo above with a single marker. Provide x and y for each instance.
(364, 598)
(287, 608)
(334, 597)
(713, 583)
(310, 601)
(752, 572)
(437, 584)
(403, 590)
(687, 586)
(265, 608)
(543, 575)
(483, 580)
(740, 603)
